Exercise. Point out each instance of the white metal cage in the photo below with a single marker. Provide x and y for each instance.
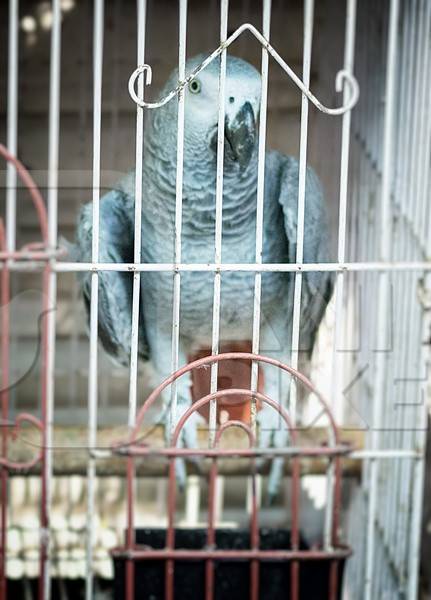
(390, 189)
(380, 342)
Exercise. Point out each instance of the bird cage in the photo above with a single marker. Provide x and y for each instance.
(370, 142)
(299, 580)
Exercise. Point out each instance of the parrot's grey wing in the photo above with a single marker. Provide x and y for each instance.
(317, 287)
(115, 288)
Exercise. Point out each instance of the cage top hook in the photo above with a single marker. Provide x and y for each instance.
(343, 76)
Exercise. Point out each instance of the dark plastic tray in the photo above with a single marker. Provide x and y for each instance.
(232, 578)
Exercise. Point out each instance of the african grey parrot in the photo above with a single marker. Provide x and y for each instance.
(243, 87)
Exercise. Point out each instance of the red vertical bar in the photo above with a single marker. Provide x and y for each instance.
(295, 528)
(170, 533)
(333, 575)
(130, 541)
(337, 501)
(254, 538)
(333, 580)
(42, 217)
(5, 296)
(209, 565)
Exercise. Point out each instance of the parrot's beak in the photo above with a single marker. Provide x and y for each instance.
(240, 135)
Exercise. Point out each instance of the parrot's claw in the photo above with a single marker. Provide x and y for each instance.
(188, 440)
(271, 435)
(180, 473)
(275, 479)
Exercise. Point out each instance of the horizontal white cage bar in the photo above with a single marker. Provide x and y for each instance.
(252, 267)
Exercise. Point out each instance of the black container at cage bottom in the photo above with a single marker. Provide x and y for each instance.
(231, 577)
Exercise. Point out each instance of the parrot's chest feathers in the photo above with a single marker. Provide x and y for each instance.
(198, 246)
(196, 303)
(197, 288)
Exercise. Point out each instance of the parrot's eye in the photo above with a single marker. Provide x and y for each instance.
(195, 86)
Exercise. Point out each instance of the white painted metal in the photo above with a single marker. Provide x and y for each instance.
(65, 267)
(384, 186)
(53, 152)
(349, 50)
(12, 137)
(266, 22)
(12, 122)
(296, 318)
(337, 358)
(353, 98)
(142, 14)
(218, 219)
(178, 208)
(383, 293)
(94, 299)
(419, 426)
(412, 333)
(192, 501)
(391, 199)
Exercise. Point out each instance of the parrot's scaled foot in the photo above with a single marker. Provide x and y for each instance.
(180, 473)
(188, 439)
(272, 434)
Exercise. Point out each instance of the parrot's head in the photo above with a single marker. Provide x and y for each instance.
(242, 101)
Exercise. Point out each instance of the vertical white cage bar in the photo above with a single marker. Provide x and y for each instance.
(224, 7)
(12, 123)
(54, 124)
(133, 379)
(397, 522)
(266, 25)
(419, 435)
(53, 153)
(349, 53)
(192, 501)
(178, 207)
(349, 50)
(391, 524)
(94, 300)
(410, 346)
(372, 133)
(296, 320)
(426, 138)
(383, 290)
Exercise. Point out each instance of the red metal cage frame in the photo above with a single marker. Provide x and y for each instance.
(134, 447)
(38, 251)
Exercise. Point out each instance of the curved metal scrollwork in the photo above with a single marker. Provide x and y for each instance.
(23, 466)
